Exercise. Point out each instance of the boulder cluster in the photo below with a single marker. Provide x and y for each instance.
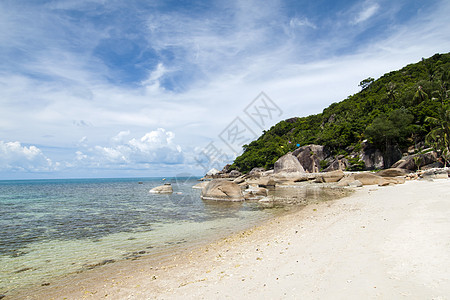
(306, 164)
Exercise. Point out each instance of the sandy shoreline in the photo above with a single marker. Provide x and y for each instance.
(379, 243)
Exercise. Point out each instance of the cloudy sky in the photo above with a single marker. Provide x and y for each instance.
(115, 88)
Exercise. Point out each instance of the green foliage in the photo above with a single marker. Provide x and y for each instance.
(356, 164)
(366, 83)
(323, 164)
(394, 110)
(385, 131)
(439, 136)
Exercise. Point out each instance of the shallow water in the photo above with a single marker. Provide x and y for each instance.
(55, 227)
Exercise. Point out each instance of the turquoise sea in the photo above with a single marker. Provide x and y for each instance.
(50, 228)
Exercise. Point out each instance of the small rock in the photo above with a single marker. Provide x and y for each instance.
(355, 183)
(163, 189)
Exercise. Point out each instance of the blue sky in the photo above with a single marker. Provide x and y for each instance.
(96, 88)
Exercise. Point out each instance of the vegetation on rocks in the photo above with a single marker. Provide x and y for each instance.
(404, 108)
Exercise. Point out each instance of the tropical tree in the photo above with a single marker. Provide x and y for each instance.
(439, 136)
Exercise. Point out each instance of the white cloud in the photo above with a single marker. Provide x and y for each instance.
(368, 11)
(155, 147)
(295, 22)
(15, 157)
(119, 138)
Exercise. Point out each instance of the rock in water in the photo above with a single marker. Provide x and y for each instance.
(288, 163)
(162, 189)
(222, 190)
(201, 185)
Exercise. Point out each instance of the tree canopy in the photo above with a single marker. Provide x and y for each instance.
(396, 109)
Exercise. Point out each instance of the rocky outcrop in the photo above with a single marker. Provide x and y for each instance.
(222, 190)
(435, 174)
(200, 185)
(163, 189)
(255, 192)
(226, 169)
(310, 156)
(369, 178)
(256, 172)
(235, 173)
(415, 161)
(333, 176)
(372, 157)
(392, 172)
(212, 172)
(262, 181)
(337, 164)
(292, 177)
(288, 163)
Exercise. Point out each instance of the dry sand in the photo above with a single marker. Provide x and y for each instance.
(379, 243)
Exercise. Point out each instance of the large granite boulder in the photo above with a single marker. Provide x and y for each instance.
(412, 162)
(288, 163)
(290, 177)
(235, 173)
(256, 172)
(213, 172)
(392, 172)
(310, 156)
(435, 174)
(372, 157)
(201, 185)
(162, 189)
(333, 176)
(222, 190)
(255, 192)
(337, 164)
(262, 181)
(369, 178)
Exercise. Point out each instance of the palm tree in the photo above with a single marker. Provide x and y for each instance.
(439, 136)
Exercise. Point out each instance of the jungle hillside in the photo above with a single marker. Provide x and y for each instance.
(404, 110)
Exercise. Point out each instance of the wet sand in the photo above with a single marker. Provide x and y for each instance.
(379, 243)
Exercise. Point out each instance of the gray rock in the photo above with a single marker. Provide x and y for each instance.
(255, 193)
(162, 189)
(262, 181)
(226, 169)
(372, 157)
(290, 177)
(235, 173)
(355, 183)
(393, 172)
(200, 185)
(310, 156)
(288, 163)
(333, 176)
(409, 162)
(240, 179)
(435, 174)
(337, 164)
(256, 172)
(345, 181)
(213, 172)
(369, 178)
(222, 190)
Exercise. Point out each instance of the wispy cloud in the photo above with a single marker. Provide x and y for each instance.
(295, 22)
(368, 10)
(108, 73)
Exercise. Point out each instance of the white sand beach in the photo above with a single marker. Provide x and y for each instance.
(388, 242)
